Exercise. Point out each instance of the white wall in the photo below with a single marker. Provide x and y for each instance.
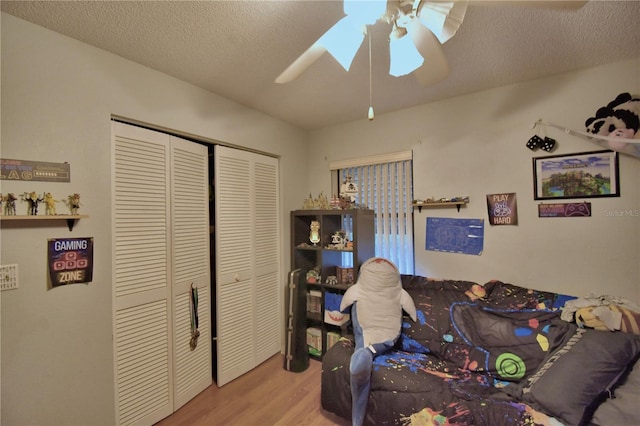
(475, 145)
(57, 99)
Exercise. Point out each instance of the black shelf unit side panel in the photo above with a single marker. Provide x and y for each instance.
(306, 260)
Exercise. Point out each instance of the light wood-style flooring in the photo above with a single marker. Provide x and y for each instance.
(267, 395)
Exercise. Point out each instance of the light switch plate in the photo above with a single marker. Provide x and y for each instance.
(8, 277)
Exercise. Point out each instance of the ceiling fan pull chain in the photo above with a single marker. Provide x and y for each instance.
(370, 115)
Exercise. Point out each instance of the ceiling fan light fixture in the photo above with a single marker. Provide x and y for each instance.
(442, 18)
(343, 41)
(397, 32)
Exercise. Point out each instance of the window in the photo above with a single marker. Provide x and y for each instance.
(385, 185)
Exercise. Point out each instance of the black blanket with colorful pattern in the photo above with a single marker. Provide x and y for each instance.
(449, 367)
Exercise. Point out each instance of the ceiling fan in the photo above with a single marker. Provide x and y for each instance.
(418, 30)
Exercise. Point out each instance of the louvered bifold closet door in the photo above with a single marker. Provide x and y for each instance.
(141, 294)
(267, 315)
(247, 261)
(190, 237)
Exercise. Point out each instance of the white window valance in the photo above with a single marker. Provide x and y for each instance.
(371, 160)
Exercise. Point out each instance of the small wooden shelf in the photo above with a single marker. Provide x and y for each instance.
(440, 204)
(71, 219)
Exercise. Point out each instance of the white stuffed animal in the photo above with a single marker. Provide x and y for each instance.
(380, 300)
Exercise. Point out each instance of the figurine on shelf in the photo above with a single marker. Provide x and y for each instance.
(322, 203)
(73, 203)
(314, 232)
(10, 204)
(33, 200)
(345, 203)
(313, 276)
(335, 202)
(348, 189)
(308, 203)
(338, 240)
(50, 204)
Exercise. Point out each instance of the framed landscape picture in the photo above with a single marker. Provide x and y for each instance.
(582, 175)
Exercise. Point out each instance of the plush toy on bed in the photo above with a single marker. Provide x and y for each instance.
(378, 300)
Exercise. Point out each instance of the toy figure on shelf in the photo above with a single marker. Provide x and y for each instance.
(313, 276)
(73, 201)
(308, 203)
(314, 232)
(349, 190)
(33, 200)
(339, 240)
(50, 204)
(10, 204)
(335, 202)
(322, 203)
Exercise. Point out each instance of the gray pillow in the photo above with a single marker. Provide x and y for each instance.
(582, 364)
(622, 407)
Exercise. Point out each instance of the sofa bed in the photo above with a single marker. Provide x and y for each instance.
(493, 354)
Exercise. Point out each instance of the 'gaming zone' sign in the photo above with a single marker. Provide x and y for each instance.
(70, 261)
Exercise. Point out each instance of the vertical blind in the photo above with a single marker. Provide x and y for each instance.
(387, 189)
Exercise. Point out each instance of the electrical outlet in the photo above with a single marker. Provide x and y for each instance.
(8, 277)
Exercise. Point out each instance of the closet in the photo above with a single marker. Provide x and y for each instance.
(160, 262)
(163, 256)
(249, 313)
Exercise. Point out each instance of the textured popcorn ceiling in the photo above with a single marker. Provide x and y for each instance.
(237, 48)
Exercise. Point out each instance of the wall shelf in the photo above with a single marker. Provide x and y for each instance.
(71, 219)
(440, 204)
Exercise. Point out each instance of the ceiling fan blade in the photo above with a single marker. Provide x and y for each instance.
(435, 67)
(303, 62)
(404, 58)
(432, 72)
(343, 40)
